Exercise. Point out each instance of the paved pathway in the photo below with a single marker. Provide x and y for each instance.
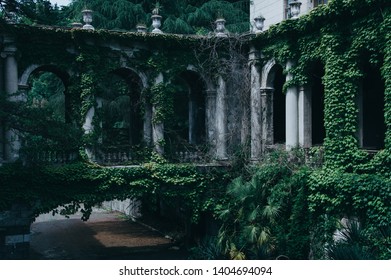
(104, 236)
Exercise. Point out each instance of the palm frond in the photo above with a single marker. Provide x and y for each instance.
(270, 211)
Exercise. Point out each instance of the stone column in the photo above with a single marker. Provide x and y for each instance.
(99, 105)
(291, 110)
(267, 116)
(158, 127)
(210, 118)
(221, 120)
(255, 103)
(192, 120)
(88, 128)
(12, 141)
(305, 121)
(148, 123)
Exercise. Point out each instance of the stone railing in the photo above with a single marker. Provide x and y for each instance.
(52, 157)
(109, 158)
(189, 156)
(113, 157)
(129, 157)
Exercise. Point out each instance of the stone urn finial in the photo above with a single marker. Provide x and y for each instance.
(76, 25)
(87, 18)
(295, 8)
(156, 18)
(141, 28)
(259, 22)
(220, 27)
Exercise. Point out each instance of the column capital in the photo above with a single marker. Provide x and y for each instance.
(266, 91)
(254, 54)
(8, 52)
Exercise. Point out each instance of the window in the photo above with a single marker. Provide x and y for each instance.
(319, 2)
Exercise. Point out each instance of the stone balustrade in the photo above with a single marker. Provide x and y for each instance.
(189, 156)
(52, 157)
(113, 157)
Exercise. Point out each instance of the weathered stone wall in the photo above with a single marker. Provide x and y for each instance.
(130, 207)
(15, 232)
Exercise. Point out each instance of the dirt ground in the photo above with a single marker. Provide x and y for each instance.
(106, 235)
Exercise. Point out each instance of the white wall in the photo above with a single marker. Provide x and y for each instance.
(274, 10)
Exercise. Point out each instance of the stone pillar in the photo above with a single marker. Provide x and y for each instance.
(12, 141)
(267, 116)
(291, 110)
(210, 117)
(99, 105)
(148, 123)
(88, 128)
(221, 120)
(158, 127)
(255, 103)
(305, 121)
(192, 120)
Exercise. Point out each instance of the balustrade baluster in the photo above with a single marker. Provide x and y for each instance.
(109, 157)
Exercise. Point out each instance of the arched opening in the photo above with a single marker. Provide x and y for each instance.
(121, 103)
(187, 129)
(276, 80)
(48, 104)
(318, 132)
(372, 121)
(47, 88)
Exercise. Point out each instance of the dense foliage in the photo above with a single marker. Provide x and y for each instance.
(33, 12)
(180, 17)
(284, 207)
(80, 186)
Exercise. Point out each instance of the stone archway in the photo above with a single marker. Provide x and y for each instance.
(187, 130)
(275, 81)
(318, 132)
(55, 79)
(122, 105)
(272, 101)
(372, 126)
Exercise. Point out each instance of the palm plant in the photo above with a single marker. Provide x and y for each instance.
(251, 215)
(357, 242)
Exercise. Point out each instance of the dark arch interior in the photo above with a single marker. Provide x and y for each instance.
(196, 106)
(62, 75)
(317, 104)
(122, 107)
(188, 124)
(277, 82)
(48, 87)
(373, 122)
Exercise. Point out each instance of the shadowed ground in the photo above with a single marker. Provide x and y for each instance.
(105, 236)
